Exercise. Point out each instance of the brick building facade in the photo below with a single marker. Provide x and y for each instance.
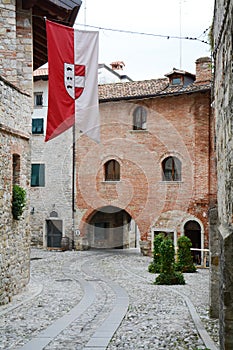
(150, 173)
(153, 166)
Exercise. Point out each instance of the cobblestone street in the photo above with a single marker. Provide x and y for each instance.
(106, 300)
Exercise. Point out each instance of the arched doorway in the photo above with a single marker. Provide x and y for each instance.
(192, 230)
(113, 228)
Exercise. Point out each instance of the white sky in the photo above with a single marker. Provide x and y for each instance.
(148, 57)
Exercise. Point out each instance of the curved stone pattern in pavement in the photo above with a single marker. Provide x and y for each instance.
(85, 296)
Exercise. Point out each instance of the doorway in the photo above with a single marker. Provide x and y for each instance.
(192, 230)
(54, 233)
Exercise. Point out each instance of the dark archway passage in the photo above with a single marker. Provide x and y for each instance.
(111, 227)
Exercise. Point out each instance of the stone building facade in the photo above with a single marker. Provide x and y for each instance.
(15, 130)
(51, 191)
(51, 199)
(22, 49)
(223, 102)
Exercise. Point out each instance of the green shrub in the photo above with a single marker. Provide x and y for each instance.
(184, 255)
(155, 265)
(18, 201)
(169, 279)
(168, 274)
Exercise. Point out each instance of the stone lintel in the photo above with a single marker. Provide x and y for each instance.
(15, 132)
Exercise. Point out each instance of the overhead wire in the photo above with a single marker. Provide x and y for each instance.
(127, 31)
(144, 33)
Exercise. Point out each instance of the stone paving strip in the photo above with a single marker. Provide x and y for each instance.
(85, 296)
(163, 323)
(33, 316)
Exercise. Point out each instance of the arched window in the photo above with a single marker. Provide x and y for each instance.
(171, 169)
(139, 118)
(112, 170)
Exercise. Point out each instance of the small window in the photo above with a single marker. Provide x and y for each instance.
(112, 170)
(16, 169)
(139, 118)
(38, 99)
(171, 169)
(38, 175)
(176, 81)
(38, 126)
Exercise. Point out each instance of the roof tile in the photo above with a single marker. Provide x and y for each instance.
(145, 88)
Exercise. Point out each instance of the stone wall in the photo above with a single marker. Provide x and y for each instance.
(223, 93)
(56, 195)
(15, 128)
(16, 44)
(15, 235)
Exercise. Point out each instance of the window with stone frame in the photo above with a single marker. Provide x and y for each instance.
(171, 169)
(37, 175)
(16, 169)
(139, 118)
(112, 170)
(38, 99)
(38, 126)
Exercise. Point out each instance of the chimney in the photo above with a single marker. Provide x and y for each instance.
(118, 65)
(203, 71)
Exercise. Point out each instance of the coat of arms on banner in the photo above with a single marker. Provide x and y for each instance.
(74, 79)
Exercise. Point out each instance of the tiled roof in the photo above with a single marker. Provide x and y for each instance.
(145, 88)
(40, 72)
(138, 89)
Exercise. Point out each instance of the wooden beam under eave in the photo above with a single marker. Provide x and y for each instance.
(28, 4)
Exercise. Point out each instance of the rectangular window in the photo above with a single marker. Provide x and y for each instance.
(38, 175)
(176, 81)
(38, 126)
(38, 99)
(16, 169)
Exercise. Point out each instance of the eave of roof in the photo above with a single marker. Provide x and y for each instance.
(180, 72)
(136, 89)
(146, 89)
(63, 11)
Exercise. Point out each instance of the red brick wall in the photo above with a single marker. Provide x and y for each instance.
(203, 70)
(176, 126)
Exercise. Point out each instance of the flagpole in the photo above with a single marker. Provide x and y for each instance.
(73, 185)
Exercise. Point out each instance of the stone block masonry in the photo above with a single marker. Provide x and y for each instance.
(15, 129)
(16, 44)
(223, 95)
(15, 235)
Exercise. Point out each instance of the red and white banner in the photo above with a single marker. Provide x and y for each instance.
(73, 81)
